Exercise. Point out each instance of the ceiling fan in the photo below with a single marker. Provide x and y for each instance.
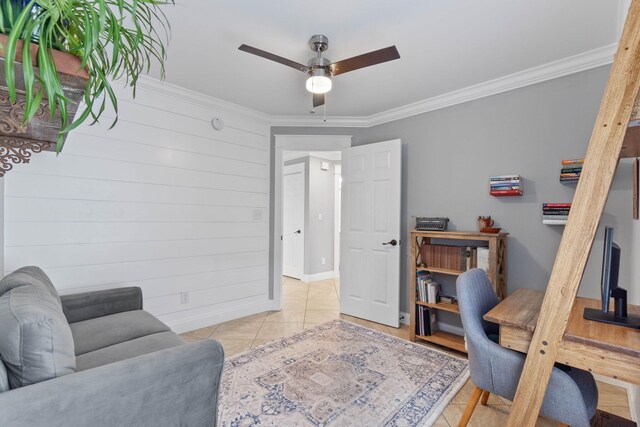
(320, 69)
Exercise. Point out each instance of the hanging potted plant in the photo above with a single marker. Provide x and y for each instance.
(55, 53)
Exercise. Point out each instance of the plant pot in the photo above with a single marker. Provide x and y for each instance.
(18, 141)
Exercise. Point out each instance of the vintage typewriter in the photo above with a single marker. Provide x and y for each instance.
(431, 223)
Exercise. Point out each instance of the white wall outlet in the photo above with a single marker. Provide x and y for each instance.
(319, 217)
(257, 214)
(184, 297)
(324, 261)
(324, 166)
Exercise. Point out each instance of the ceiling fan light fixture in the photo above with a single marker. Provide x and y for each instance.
(319, 81)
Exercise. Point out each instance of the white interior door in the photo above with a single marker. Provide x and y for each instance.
(293, 221)
(370, 232)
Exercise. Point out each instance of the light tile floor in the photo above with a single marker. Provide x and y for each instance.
(308, 304)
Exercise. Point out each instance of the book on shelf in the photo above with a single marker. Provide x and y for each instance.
(455, 258)
(426, 323)
(556, 205)
(554, 221)
(505, 178)
(555, 212)
(571, 170)
(448, 299)
(433, 292)
(483, 258)
(505, 192)
(555, 217)
(422, 279)
(570, 175)
(563, 179)
(573, 162)
(506, 182)
(504, 187)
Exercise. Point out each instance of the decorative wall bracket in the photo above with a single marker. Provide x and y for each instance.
(19, 150)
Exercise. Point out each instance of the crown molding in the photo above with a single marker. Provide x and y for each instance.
(330, 121)
(187, 95)
(549, 71)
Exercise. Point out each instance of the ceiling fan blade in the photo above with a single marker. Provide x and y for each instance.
(365, 60)
(318, 99)
(272, 57)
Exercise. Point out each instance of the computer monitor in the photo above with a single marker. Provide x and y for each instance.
(609, 288)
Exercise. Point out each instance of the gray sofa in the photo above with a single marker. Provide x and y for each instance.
(97, 359)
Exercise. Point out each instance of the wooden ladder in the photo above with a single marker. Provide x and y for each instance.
(603, 153)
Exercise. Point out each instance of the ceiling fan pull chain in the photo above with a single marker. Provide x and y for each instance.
(324, 109)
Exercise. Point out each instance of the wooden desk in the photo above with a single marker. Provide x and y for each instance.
(609, 350)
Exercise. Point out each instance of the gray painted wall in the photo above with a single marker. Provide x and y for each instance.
(319, 199)
(450, 154)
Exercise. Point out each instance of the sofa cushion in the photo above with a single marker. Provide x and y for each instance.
(94, 334)
(4, 381)
(35, 339)
(128, 349)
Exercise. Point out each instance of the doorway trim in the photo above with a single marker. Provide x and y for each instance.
(293, 143)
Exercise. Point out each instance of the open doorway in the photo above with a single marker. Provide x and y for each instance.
(311, 185)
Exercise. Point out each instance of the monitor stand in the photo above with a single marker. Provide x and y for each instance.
(619, 316)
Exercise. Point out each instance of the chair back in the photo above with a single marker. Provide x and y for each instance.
(476, 297)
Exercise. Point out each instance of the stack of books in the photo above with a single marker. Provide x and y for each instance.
(427, 290)
(555, 213)
(506, 185)
(571, 170)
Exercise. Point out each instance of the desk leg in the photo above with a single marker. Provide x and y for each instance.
(633, 393)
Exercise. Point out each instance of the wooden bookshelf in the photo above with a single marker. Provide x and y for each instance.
(497, 272)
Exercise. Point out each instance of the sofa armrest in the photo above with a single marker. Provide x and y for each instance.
(173, 387)
(89, 305)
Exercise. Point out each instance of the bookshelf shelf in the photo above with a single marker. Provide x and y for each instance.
(441, 270)
(497, 266)
(445, 339)
(452, 308)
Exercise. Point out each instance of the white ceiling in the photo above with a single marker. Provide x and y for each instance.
(444, 45)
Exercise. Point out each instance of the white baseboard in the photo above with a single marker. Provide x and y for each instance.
(197, 322)
(318, 276)
(404, 318)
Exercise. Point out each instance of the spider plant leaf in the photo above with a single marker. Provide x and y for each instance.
(10, 50)
(28, 75)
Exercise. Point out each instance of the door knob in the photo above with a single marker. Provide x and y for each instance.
(392, 242)
(297, 232)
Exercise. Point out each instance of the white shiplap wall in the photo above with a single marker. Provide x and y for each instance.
(162, 201)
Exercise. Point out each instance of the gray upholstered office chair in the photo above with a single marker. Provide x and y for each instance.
(572, 396)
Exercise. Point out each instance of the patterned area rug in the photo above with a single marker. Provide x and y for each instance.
(339, 374)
